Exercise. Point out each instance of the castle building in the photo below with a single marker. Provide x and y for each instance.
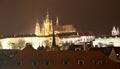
(43, 36)
(115, 31)
(118, 31)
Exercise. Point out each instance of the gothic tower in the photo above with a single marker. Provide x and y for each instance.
(115, 31)
(118, 31)
(37, 28)
(57, 22)
(47, 25)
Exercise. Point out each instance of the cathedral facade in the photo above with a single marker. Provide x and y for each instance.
(46, 29)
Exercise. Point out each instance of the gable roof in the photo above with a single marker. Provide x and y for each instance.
(105, 50)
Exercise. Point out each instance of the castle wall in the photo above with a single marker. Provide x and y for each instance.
(19, 42)
(104, 42)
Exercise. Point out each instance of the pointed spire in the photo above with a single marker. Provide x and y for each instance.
(47, 16)
(37, 20)
(57, 22)
(37, 27)
(114, 31)
(118, 31)
(114, 28)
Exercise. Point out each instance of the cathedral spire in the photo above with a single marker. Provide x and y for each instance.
(118, 31)
(37, 27)
(47, 16)
(57, 22)
(48, 25)
(37, 20)
(113, 31)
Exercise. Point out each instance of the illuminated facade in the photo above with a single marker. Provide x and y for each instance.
(106, 42)
(48, 25)
(65, 29)
(37, 28)
(19, 42)
(46, 28)
(77, 40)
(113, 40)
(36, 41)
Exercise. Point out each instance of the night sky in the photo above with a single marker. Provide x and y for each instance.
(97, 16)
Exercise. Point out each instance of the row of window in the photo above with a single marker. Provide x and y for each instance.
(65, 62)
(99, 62)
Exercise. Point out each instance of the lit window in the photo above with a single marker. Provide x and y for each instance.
(19, 62)
(46, 62)
(34, 63)
(80, 62)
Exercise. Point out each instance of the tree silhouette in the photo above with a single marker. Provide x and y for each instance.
(20, 44)
(47, 43)
(12, 45)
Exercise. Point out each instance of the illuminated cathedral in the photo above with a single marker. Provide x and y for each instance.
(47, 28)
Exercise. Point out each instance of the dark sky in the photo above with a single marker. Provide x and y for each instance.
(97, 16)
